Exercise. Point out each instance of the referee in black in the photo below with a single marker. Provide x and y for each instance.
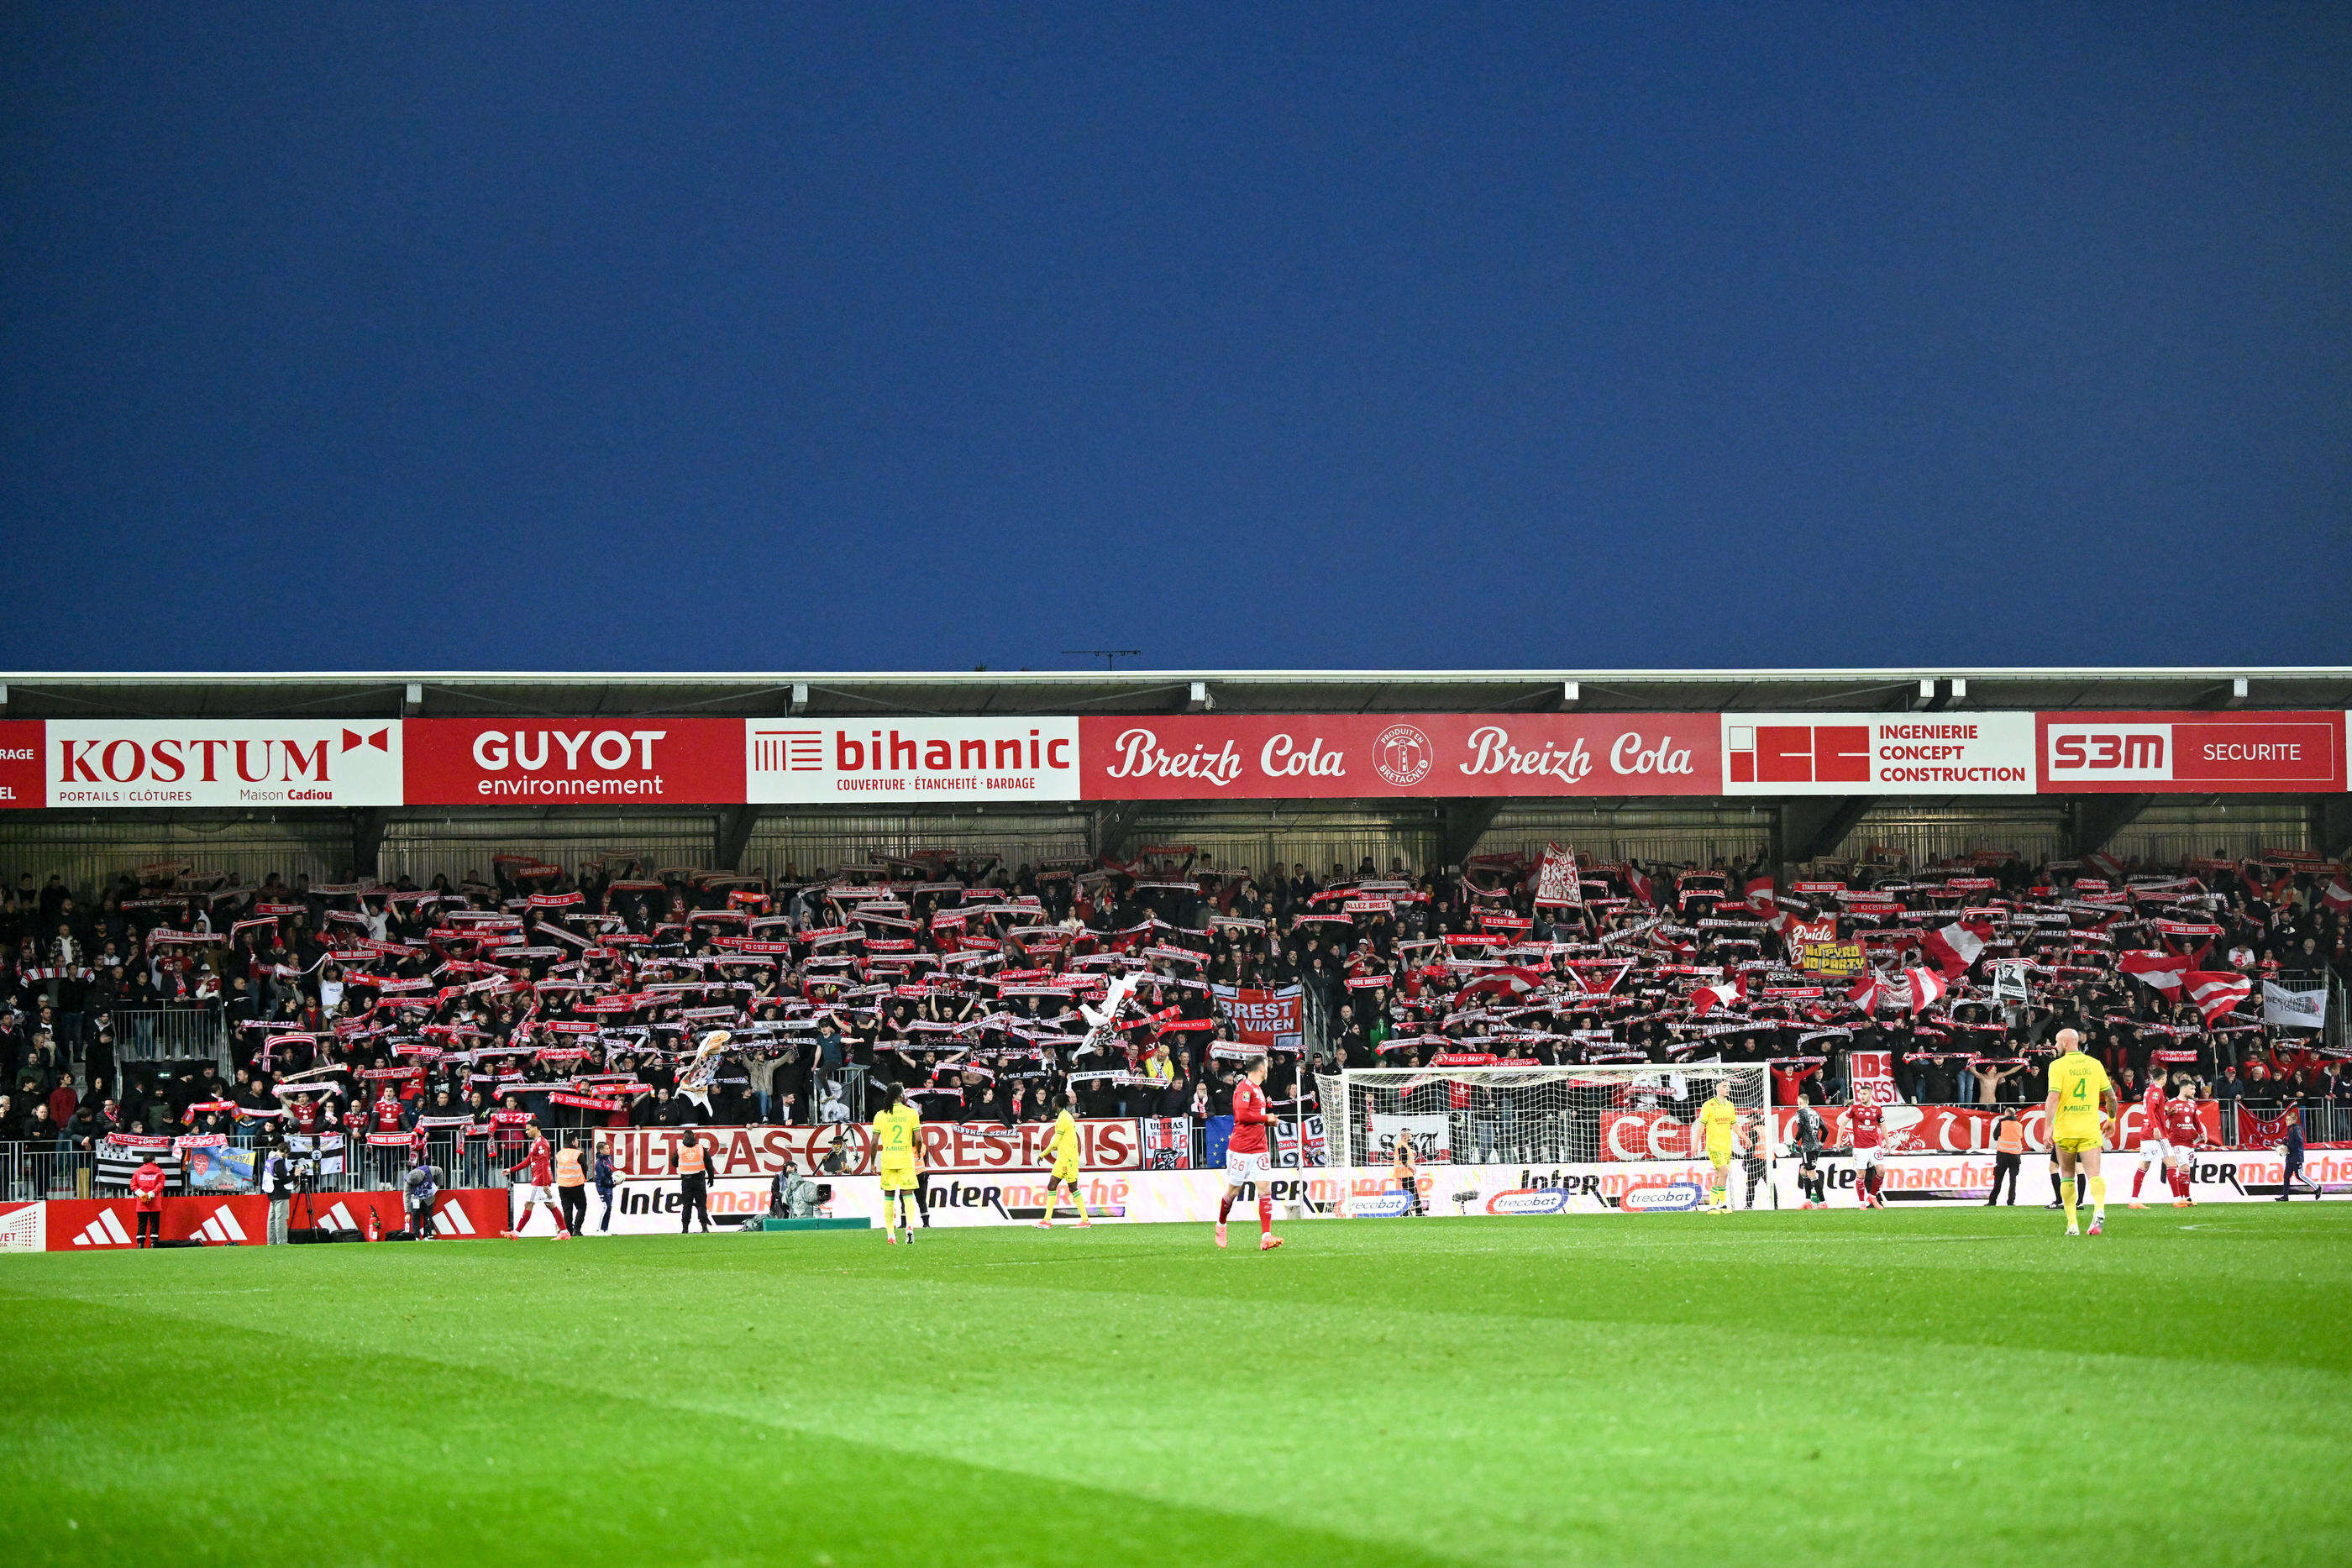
(1751, 1158)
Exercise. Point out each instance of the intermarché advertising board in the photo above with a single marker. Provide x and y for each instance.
(295, 763)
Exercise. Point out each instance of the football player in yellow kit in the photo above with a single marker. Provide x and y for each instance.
(898, 1135)
(2081, 1099)
(1062, 1153)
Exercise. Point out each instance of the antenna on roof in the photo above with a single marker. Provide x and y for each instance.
(1109, 656)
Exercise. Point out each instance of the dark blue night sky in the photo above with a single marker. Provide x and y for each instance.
(780, 338)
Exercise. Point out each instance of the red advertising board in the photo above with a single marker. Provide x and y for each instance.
(1186, 756)
(1907, 1129)
(1968, 1129)
(1209, 757)
(2198, 753)
(586, 762)
(21, 740)
(1644, 1135)
(97, 1224)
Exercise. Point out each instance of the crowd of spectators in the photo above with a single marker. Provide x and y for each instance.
(579, 997)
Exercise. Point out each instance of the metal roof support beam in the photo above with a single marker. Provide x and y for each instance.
(2331, 825)
(1816, 825)
(367, 839)
(732, 835)
(1110, 830)
(2094, 821)
(1461, 824)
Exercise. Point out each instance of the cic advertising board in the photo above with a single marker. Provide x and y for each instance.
(633, 761)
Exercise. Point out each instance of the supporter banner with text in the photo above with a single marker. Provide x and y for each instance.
(646, 1152)
(1269, 1018)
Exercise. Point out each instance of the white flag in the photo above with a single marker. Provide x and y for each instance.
(2295, 1010)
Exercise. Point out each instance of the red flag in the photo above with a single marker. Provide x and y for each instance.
(2215, 992)
(1706, 998)
(1956, 947)
(1926, 986)
(2153, 967)
(1505, 983)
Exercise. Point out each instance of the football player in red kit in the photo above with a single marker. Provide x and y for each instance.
(2184, 1135)
(1865, 1126)
(1245, 1156)
(2153, 1135)
(539, 1161)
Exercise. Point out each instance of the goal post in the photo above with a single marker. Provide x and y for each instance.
(1534, 1116)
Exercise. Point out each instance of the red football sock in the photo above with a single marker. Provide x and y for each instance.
(1264, 1212)
(1225, 1206)
(2137, 1176)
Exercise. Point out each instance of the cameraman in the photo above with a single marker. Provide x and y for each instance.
(422, 1183)
(277, 1186)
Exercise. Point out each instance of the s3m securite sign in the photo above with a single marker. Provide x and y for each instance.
(2200, 753)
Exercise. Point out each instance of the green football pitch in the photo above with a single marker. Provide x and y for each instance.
(1939, 1386)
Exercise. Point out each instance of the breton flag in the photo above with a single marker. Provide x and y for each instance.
(2215, 992)
(1926, 986)
(2154, 968)
(1706, 998)
(1956, 947)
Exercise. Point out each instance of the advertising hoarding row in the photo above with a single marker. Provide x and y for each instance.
(166, 764)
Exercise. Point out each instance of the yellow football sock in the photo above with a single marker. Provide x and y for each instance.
(890, 1209)
(2098, 1197)
(1049, 1204)
(2066, 1191)
(1079, 1198)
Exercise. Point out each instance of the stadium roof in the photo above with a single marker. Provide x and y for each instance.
(476, 694)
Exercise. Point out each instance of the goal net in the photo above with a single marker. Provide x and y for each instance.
(1537, 1115)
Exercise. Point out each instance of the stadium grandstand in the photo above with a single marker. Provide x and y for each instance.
(409, 917)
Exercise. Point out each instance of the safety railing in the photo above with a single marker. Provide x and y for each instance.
(169, 1034)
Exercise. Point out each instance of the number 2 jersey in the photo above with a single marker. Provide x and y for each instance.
(894, 1132)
